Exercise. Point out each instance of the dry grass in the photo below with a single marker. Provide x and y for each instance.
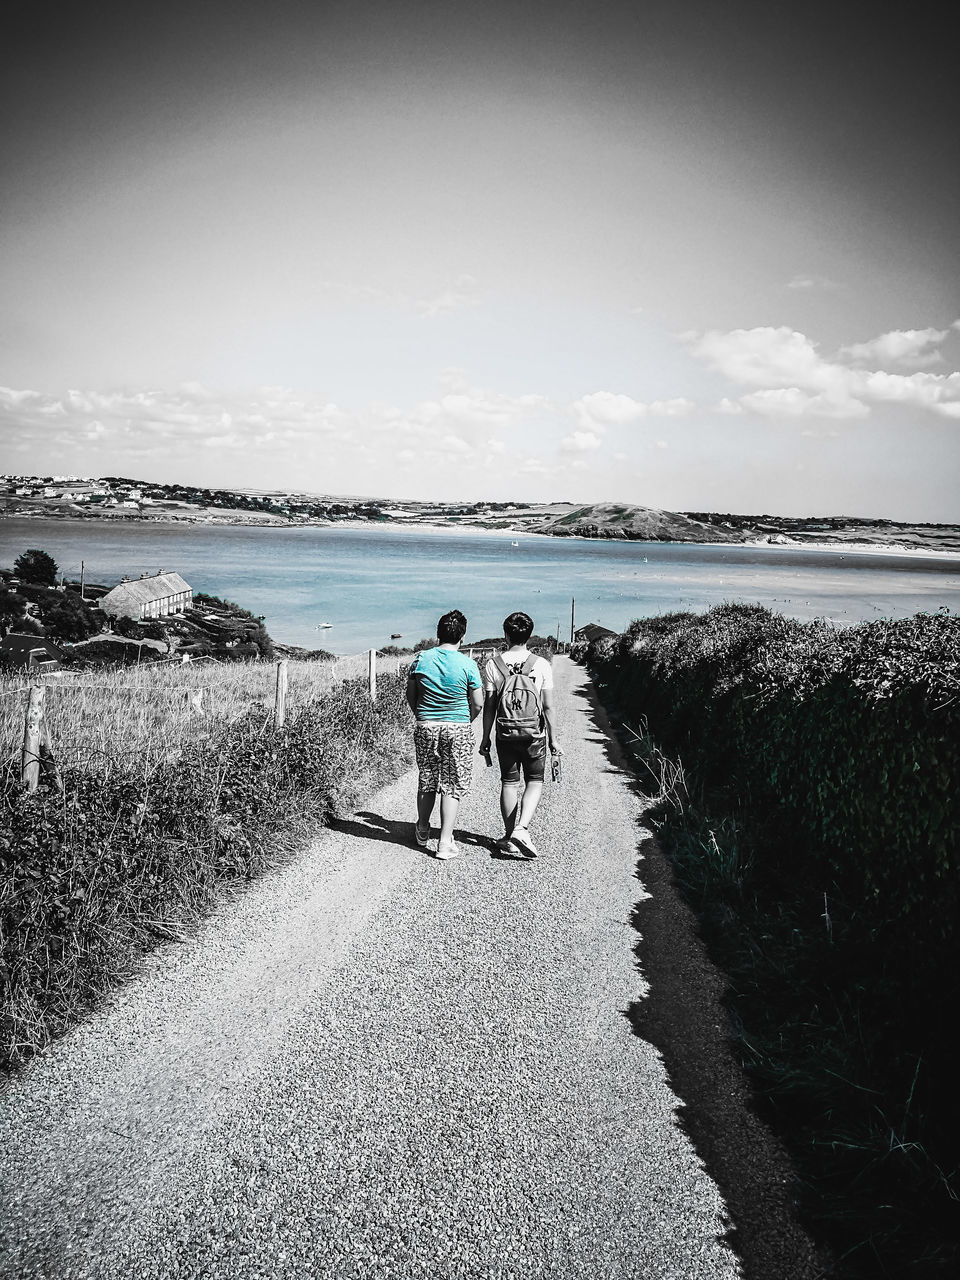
(145, 714)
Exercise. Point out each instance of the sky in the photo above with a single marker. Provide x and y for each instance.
(669, 252)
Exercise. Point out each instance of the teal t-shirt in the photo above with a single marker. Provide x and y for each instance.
(444, 679)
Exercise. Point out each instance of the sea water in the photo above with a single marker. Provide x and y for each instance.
(371, 582)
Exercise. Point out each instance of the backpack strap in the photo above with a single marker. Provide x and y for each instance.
(501, 666)
(529, 664)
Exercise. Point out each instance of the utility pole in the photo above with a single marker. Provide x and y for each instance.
(81, 581)
(572, 608)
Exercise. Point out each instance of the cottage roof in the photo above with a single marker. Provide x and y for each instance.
(19, 647)
(143, 590)
(593, 631)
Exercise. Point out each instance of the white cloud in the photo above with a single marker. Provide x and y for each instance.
(792, 378)
(812, 282)
(926, 390)
(793, 403)
(904, 346)
(580, 442)
(160, 420)
(229, 441)
(274, 431)
(762, 357)
(454, 444)
(463, 292)
(601, 409)
(678, 407)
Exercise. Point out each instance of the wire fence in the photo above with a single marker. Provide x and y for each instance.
(145, 714)
(149, 713)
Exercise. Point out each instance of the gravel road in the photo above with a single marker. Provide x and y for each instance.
(374, 1064)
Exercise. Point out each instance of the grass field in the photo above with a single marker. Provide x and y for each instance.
(135, 716)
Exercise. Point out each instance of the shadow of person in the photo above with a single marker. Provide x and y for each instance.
(374, 826)
(505, 855)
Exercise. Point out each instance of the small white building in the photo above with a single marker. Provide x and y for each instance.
(155, 596)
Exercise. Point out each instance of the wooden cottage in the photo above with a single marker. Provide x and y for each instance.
(142, 599)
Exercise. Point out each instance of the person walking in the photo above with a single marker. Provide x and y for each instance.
(444, 692)
(518, 701)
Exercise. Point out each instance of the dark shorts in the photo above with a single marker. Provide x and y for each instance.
(531, 757)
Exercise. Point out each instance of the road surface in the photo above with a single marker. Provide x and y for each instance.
(374, 1064)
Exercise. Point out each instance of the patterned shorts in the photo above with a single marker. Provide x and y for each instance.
(444, 756)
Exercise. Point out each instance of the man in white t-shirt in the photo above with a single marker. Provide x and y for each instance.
(528, 757)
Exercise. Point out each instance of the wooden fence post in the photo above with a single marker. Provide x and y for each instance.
(32, 732)
(280, 702)
(372, 665)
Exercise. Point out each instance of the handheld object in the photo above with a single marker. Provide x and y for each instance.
(556, 769)
(486, 756)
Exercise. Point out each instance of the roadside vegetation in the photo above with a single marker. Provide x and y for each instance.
(806, 784)
(174, 787)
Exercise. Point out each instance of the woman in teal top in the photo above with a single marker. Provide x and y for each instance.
(445, 693)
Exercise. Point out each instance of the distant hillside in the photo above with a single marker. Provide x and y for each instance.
(641, 524)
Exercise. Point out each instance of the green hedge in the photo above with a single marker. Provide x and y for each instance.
(91, 878)
(824, 768)
(847, 741)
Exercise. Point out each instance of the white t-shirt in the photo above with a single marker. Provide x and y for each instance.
(542, 673)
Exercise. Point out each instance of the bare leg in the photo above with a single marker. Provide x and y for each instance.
(425, 802)
(448, 816)
(508, 805)
(528, 805)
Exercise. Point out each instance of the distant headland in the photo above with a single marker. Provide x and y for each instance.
(118, 498)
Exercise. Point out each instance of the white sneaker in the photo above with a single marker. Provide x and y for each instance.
(521, 838)
(449, 851)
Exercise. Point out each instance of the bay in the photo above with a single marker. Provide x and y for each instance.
(372, 581)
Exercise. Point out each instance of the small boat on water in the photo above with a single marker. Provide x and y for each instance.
(514, 544)
(323, 626)
(396, 635)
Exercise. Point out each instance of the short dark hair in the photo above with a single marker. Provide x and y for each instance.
(451, 627)
(518, 628)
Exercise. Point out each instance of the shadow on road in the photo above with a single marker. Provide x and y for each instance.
(683, 1017)
(374, 826)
